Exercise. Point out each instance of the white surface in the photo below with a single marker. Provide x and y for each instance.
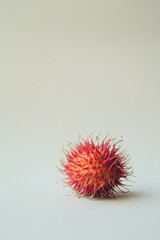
(69, 68)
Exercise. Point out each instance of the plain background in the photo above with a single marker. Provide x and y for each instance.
(70, 67)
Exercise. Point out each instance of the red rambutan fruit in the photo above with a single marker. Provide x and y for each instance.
(95, 168)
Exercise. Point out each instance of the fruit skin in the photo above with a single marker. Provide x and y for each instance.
(95, 168)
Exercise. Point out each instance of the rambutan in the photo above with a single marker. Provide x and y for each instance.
(95, 168)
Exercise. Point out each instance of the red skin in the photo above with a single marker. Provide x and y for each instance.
(96, 169)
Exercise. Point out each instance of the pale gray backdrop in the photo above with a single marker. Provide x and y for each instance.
(70, 67)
